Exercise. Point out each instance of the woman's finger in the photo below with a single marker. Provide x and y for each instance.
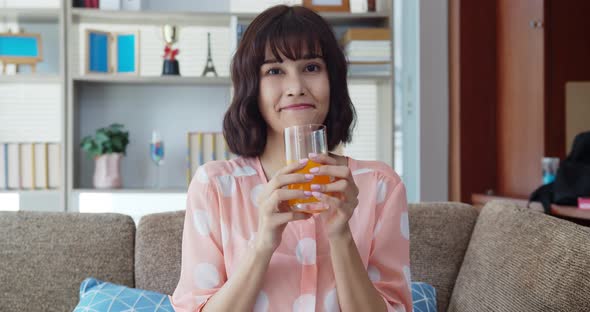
(341, 172)
(280, 195)
(323, 159)
(340, 186)
(283, 217)
(287, 179)
(292, 167)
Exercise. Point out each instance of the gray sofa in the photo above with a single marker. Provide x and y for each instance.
(505, 258)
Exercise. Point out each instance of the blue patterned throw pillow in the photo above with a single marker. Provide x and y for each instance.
(98, 296)
(423, 297)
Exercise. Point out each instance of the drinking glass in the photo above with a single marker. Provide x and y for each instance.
(157, 154)
(299, 142)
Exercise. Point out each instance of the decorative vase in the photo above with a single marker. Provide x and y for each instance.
(171, 67)
(107, 171)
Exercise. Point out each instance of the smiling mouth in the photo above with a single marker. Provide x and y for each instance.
(298, 107)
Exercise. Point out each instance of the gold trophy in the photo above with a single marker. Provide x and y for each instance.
(170, 35)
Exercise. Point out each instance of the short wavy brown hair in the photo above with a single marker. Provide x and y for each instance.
(287, 30)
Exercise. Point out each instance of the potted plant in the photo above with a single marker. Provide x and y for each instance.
(107, 147)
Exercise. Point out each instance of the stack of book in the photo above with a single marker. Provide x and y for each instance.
(29, 166)
(368, 51)
(204, 147)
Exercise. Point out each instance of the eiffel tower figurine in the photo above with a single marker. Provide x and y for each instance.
(209, 67)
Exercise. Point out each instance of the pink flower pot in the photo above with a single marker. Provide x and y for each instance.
(107, 171)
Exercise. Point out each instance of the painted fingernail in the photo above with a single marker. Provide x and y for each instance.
(317, 194)
(313, 155)
(303, 161)
(308, 176)
(314, 170)
(315, 187)
(307, 193)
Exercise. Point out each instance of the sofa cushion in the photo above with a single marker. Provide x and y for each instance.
(520, 260)
(46, 255)
(96, 295)
(158, 251)
(439, 236)
(423, 297)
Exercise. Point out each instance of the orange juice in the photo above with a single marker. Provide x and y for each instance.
(312, 204)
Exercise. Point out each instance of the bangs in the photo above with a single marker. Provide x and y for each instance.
(294, 38)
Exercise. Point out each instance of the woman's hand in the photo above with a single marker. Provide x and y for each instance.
(340, 195)
(274, 212)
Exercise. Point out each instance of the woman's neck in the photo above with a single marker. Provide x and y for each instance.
(273, 157)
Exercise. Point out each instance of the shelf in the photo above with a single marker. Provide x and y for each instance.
(30, 78)
(164, 80)
(370, 77)
(31, 15)
(132, 191)
(147, 17)
(26, 191)
(207, 18)
(337, 18)
(172, 80)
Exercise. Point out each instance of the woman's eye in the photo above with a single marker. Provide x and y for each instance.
(273, 71)
(312, 67)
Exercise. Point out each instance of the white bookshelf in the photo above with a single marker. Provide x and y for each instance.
(91, 101)
(157, 80)
(46, 106)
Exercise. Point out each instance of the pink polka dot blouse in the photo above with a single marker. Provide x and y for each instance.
(221, 224)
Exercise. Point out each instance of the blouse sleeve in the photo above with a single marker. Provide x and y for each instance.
(202, 271)
(389, 259)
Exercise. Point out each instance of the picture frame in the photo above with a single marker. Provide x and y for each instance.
(98, 52)
(20, 49)
(328, 5)
(127, 60)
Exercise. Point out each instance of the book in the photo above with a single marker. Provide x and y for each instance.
(40, 151)
(3, 166)
(367, 45)
(54, 165)
(27, 162)
(368, 59)
(203, 147)
(14, 167)
(365, 34)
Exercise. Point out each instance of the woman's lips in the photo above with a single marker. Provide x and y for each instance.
(298, 106)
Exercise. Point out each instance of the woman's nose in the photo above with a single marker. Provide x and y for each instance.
(295, 85)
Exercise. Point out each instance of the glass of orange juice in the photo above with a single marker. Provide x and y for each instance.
(300, 141)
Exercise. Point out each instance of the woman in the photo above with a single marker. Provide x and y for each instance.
(242, 249)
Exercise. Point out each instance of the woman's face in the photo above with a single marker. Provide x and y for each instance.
(293, 92)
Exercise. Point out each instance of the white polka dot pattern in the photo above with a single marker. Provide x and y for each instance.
(305, 303)
(405, 225)
(306, 251)
(202, 221)
(261, 304)
(244, 171)
(331, 301)
(374, 274)
(224, 234)
(206, 276)
(408, 275)
(377, 228)
(381, 191)
(254, 194)
(227, 185)
(361, 171)
(202, 175)
(399, 308)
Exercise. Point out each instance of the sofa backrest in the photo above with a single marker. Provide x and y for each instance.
(439, 235)
(44, 256)
(520, 260)
(158, 251)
